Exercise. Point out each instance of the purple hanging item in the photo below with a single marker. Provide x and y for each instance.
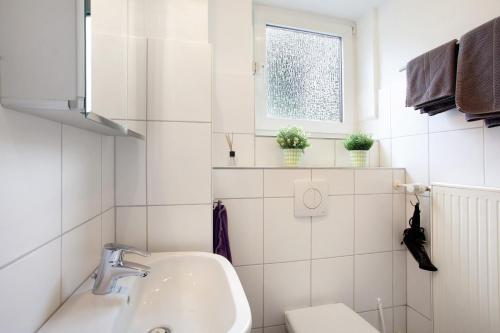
(220, 232)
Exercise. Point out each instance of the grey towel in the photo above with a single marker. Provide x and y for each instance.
(431, 80)
(478, 71)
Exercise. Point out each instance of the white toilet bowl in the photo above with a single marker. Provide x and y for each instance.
(329, 318)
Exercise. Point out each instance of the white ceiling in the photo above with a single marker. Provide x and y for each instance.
(347, 9)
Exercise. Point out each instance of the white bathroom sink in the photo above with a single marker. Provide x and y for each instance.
(186, 292)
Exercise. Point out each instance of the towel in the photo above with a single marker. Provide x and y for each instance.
(478, 72)
(221, 232)
(431, 80)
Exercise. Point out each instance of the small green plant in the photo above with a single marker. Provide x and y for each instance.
(358, 141)
(292, 138)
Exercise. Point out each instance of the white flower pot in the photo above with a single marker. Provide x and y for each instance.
(292, 157)
(359, 158)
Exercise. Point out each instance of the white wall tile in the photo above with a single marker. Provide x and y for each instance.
(179, 81)
(342, 157)
(321, 153)
(373, 181)
(180, 228)
(286, 237)
(333, 234)
(231, 32)
(231, 183)
(81, 248)
(372, 279)
(416, 323)
(280, 182)
(450, 121)
(243, 145)
(108, 172)
(130, 171)
(492, 158)
(412, 153)
(257, 330)
(419, 287)
(178, 19)
(108, 227)
(252, 279)
(131, 227)
(339, 181)
(400, 319)
(405, 121)
(333, 281)
(373, 227)
(246, 230)
(374, 155)
(30, 289)
(385, 153)
(457, 157)
(178, 163)
(373, 317)
(81, 176)
(398, 176)
(267, 152)
(110, 17)
(399, 221)
(399, 277)
(137, 77)
(286, 287)
(30, 174)
(233, 103)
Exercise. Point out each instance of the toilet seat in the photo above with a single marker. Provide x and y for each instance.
(329, 318)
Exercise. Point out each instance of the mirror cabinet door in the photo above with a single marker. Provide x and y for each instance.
(107, 58)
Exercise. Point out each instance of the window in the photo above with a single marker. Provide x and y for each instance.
(303, 75)
(304, 72)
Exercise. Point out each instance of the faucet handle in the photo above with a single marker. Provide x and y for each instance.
(122, 249)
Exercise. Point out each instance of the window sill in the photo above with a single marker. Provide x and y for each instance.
(311, 135)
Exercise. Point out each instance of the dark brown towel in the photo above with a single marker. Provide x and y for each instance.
(490, 123)
(431, 79)
(478, 71)
(481, 116)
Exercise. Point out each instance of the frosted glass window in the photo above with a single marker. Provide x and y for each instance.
(303, 75)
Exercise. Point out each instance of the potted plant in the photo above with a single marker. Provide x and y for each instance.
(292, 140)
(358, 146)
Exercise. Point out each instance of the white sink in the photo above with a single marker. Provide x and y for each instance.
(186, 292)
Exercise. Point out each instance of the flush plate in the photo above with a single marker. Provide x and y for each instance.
(311, 197)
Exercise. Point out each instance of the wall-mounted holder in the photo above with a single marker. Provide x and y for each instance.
(414, 188)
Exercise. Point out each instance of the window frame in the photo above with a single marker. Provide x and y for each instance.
(263, 16)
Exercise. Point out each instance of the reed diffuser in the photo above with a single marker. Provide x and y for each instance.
(232, 153)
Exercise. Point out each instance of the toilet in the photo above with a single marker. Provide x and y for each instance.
(329, 318)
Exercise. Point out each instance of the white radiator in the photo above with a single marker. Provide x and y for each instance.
(466, 250)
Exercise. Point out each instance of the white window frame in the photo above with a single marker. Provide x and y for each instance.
(263, 16)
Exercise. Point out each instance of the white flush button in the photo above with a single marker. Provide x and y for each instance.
(310, 197)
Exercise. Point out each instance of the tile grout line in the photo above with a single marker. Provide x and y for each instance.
(61, 225)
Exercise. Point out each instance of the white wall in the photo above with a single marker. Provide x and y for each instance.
(353, 255)
(57, 209)
(163, 184)
(231, 34)
(443, 148)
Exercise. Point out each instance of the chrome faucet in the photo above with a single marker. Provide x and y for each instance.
(113, 267)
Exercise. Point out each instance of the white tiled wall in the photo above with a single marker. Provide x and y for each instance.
(350, 256)
(57, 204)
(163, 184)
(442, 148)
(231, 34)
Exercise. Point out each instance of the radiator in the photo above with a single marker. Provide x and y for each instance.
(466, 250)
